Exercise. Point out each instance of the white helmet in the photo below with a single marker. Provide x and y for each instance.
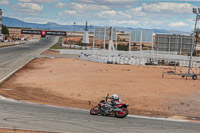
(115, 96)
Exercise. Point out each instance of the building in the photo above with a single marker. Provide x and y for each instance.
(173, 43)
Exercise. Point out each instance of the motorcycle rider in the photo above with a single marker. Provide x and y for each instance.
(115, 99)
(115, 106)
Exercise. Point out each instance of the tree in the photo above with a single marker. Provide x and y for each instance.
(123, 47)
(197, 34)
(197, 39)
(5, 30)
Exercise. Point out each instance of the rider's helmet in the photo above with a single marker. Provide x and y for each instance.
(115, 96)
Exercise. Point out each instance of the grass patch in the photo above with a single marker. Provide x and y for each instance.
(58, 45)
(42, 38)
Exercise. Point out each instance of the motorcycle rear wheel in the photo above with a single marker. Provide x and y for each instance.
(95, 110)
(123, 114)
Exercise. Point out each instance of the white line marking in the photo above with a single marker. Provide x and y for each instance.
(8, 99)
(154, 118)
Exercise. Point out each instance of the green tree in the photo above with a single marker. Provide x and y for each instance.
(197, 34)
(5, 30)
(197, 39)
(123, 47)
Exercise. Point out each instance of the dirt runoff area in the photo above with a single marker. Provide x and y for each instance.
(76, 83)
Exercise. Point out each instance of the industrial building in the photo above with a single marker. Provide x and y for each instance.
(173, 43)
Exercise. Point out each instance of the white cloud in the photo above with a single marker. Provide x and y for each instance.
(190, 0)
(68, 12)
(4, 2)
(61, 5)
(28, 8)
(127, 22)
(135, 12)
(31, 6)
(110, 3)
(182, 0)
(190, 20)
(39, 1)
(25, 0)
(113, 15)
(81, 7)
(168, 7)
(178, 24)
(107, 14)
(107, 1)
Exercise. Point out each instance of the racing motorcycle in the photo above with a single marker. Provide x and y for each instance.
(116, 107)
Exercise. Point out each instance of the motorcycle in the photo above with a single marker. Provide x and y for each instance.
(116, 107)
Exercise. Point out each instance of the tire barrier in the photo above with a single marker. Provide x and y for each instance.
(119, 59)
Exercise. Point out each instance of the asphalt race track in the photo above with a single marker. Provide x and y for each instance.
(28, 116)
(12, 58)
(21, 115)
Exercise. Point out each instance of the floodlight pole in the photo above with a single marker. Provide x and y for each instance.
(129, 45)
(116, 43)
(141, 40)
(104, 44)
(94, 38)
(192, 49)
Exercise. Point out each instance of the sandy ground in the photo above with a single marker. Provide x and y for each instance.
(81, 84)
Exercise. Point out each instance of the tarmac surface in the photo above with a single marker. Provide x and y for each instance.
(13, 57)
(29, 116)
(35, 117)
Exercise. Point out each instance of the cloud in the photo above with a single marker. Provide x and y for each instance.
(178, 24)
(181, 0)
(110, 3)
(68, 12)
(113, 15)
(190, 20)
(39, 1)
(127, 22)
(135, 12)
(4, 2)
(190, 0)
(25, 0)
(61, 5)
(31, 6)
(81, 7)
(168, 7)
(28, 8)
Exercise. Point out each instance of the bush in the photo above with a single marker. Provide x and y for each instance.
(5, 30)
(123, 47)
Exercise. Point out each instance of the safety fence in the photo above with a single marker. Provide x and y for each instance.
(133, 57)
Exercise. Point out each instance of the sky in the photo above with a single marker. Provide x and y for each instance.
(148, 14)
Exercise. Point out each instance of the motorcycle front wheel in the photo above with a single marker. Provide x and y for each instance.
(95, 110)
(122, 114)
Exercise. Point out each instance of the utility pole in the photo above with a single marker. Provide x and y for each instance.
(188, 74)
(197, 12)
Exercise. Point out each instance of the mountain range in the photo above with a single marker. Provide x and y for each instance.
(12, 22)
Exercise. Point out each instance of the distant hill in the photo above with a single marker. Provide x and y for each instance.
(12, 22)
